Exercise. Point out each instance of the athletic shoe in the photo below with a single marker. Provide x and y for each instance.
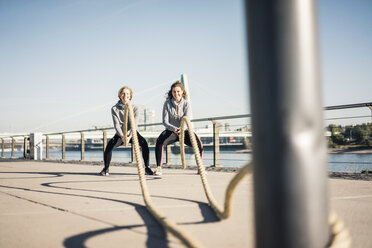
(157, 171)
(104, 172)
(148, 171)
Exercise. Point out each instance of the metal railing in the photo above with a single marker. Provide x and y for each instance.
(15, 140)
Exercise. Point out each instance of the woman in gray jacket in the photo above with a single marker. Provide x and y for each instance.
(125, 94)
(175, 108)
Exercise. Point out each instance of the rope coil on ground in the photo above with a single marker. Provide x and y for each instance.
(339, 238)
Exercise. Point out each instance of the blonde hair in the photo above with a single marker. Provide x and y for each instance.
(123, 88)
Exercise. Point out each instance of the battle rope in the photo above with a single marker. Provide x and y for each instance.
(160, 217)
(339, 234)
(339, 237)
(125, 127)
(222, 213)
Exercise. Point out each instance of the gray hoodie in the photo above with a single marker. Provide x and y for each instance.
(173, 113)
(117, 112)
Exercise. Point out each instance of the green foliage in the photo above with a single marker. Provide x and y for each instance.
(351, 135)
(338, 139)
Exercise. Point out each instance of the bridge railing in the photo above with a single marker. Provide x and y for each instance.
(19, 145)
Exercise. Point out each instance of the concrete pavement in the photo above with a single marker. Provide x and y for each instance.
(47, 204)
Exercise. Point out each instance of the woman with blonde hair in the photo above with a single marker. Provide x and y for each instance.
(175, 108)
(125, 95)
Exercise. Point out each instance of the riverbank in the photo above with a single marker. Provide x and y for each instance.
(356, 150)
(365, 175)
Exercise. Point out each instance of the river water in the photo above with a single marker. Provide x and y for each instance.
(336, 162)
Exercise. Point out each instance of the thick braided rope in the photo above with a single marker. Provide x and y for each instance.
(339, 235)
(160, 217)
(222, 213)
(125, 126)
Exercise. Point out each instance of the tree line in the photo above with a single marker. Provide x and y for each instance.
(358, 135)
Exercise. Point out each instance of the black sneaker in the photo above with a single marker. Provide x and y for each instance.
(148, 171)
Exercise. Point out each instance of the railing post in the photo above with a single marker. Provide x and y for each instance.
(24, 147)
(47, 147)
(13, 143)
(104, 141)
(168, 152)
(63, 147)
(2, 148)
(82, 146)
(289, 151)
(216, 144)
(133, 154)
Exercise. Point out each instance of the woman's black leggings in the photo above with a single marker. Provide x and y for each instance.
(116, 141)
(168, 137)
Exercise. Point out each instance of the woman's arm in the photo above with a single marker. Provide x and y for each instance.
(117, 123)
(166, 122)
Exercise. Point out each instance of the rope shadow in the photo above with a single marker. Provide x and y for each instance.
(157, 237)
(207, 213)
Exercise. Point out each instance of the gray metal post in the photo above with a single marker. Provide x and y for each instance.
(24, 147)
(63, 147)
(168, 152)
(133, 154)
(82, 146)
(289, 151)
(13, 143)
(47, 147)
(104, 141)
(2, 148)
(216, 144)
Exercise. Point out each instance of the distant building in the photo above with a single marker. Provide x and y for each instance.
(146, 116)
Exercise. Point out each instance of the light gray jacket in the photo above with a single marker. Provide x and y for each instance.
(173, 113)
(117, 112)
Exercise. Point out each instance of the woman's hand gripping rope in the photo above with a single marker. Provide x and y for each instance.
(160, 217)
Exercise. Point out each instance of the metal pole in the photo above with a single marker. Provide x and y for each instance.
(13, 142)
(104, 141)
(47, 147)
(133, 154)
(168, 152)
(185, 83)
(24, 147)
(289, 151)
(82, 146)
(2, 148)
(216, 144)
(63, 147)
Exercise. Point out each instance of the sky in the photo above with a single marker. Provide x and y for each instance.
(63, 61)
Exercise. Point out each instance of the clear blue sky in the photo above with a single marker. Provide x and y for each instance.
(62, 61)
